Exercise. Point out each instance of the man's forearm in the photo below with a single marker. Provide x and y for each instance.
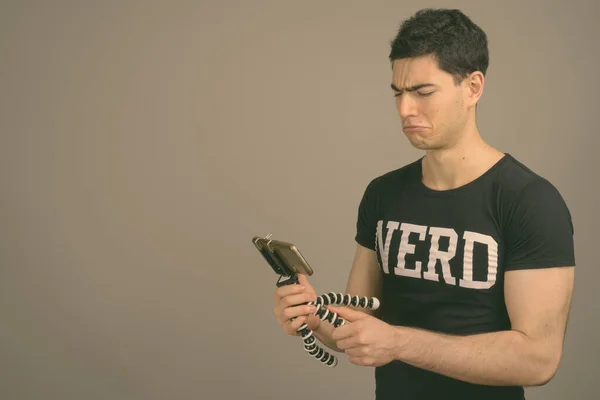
(497, 358)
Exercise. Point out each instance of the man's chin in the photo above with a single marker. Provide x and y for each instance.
(423, 145)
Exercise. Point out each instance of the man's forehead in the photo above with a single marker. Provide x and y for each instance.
(411, 71)
(414, 69)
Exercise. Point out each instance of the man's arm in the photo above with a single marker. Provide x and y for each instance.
(538, 302)
(365, 276)
(364, 280)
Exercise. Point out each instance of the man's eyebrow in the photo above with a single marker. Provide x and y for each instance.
(412, 88)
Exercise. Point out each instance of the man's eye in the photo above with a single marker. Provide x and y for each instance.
(419, 93)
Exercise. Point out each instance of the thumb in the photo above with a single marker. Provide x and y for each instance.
(348, 314)
(303, 280)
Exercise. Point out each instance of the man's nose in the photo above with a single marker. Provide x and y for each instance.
(407, 106)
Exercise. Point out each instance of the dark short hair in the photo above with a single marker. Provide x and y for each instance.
(453, 39)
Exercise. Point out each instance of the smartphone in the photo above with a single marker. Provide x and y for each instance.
(283, 257)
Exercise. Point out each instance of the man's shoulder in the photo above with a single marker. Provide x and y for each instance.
(397, 176)
(515, 180)
(516, 172)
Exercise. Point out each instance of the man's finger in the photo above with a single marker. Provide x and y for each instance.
(343, 332)
(348, 314)
(355, 351)
(296, 323)
(362, 361)
(348, 344)
(287, 290)
(303, 280)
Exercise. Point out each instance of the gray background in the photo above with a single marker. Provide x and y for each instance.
(143, 144)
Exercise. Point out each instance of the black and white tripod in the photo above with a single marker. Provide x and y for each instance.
(287, 262)
(308, 337)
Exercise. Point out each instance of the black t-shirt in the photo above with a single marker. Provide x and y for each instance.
(443, 255)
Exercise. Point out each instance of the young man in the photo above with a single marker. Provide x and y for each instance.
(470, 252)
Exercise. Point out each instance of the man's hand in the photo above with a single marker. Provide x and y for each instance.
(290, 312)
(368, 341)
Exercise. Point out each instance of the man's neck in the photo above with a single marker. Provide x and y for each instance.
(454, 167)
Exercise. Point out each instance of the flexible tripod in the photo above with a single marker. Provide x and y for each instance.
(324, 314)
(287, 262)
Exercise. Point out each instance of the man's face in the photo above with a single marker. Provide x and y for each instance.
(430, 105)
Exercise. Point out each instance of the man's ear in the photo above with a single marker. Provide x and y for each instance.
(474, 87)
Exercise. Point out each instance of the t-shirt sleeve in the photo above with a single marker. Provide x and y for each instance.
(366, 224)
(540, 229)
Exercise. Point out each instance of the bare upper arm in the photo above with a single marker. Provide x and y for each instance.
(365, 276)
(538, 302)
